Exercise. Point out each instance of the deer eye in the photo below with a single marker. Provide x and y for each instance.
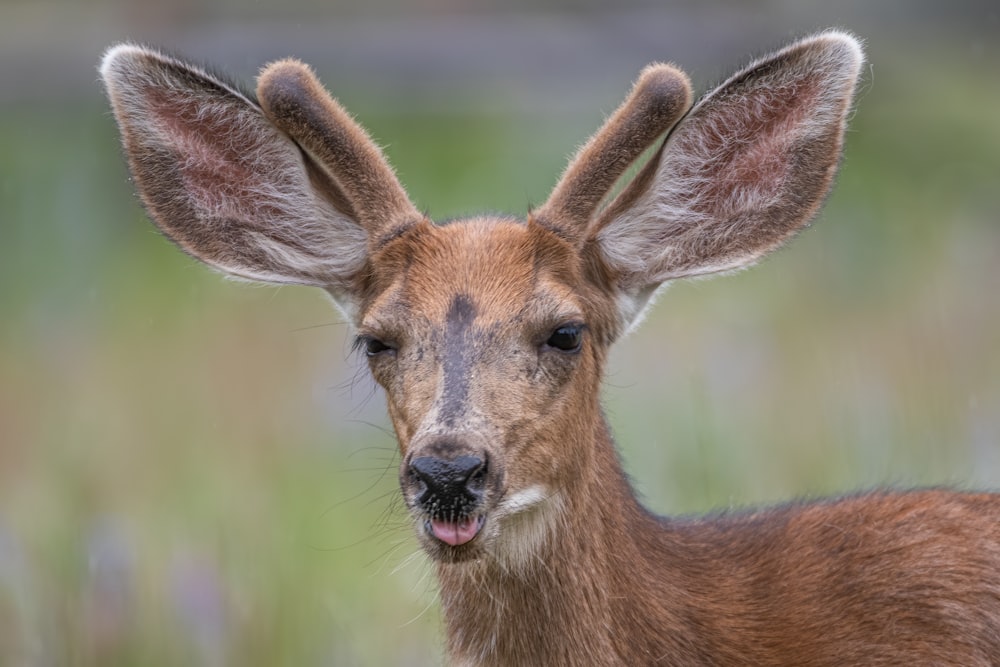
(567, 338)
(373, 346)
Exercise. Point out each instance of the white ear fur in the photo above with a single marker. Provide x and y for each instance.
(748, 167)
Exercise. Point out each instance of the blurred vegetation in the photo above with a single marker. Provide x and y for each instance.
(193, 471)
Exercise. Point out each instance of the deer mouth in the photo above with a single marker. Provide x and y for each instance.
(455, 532)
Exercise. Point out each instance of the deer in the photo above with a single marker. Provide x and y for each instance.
(490, 334)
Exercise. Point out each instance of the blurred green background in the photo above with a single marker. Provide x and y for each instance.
(196, 472)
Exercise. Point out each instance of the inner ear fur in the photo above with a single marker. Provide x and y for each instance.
(223, 182)
(748, 167)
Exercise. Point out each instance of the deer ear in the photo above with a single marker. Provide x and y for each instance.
(748, 167)
(226, 185)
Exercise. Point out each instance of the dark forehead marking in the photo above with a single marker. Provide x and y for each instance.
(460, 315)
(458, 347)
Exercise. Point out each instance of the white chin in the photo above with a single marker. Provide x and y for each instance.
(525, 521)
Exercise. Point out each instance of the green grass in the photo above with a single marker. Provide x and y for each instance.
(193, 472)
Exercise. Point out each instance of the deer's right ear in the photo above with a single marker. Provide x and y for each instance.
(229, 187)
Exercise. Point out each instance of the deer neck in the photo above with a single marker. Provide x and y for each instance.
(561, 603)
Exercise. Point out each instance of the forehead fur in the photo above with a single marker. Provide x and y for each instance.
(498, 263)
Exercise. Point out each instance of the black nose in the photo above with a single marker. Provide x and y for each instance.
(449, 479)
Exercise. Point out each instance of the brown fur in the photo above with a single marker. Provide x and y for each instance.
(469, 329)
(660, 96)
(295, 101)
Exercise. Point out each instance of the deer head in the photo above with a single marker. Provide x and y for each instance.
(489, 335)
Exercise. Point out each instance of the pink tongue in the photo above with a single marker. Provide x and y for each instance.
(455, 533)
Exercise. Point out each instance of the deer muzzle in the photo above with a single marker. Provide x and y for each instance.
(448, 492)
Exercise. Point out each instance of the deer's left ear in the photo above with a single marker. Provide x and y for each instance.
(748, 167)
